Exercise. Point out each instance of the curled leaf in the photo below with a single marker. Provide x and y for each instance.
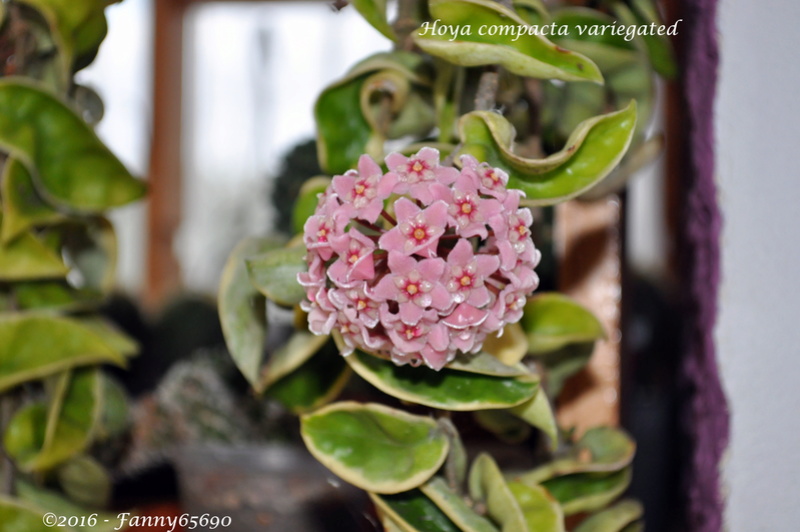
(70, 166)
(592, 151)
(461, 33)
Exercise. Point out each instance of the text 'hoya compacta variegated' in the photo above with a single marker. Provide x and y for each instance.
(420, 262)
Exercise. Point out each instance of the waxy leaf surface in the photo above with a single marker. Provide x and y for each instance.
(374, 447)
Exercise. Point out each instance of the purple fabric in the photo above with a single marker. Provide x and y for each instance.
(707, 412)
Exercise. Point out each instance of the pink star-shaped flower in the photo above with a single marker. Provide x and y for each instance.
(417, 230)
(414, 285)
(466, 272)
(366, 189)
(415, 174)
(355, 262)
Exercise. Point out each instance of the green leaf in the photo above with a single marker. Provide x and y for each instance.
(592, 151)
(455, 508)
(344, 131)
(242, 310)
(510, 348)
(659, 47)
(412, 511)
(524, 55)
(49, 501)
(91, 249)
(111, 335)
(455, 467)
(23, 207)
(485, 364)
(552, 321)
(588, 492)
(607, 50)
(85, 481)
(539, 413)
(503, 424)
(27, 258)
(70, 166)
(532, 11)
(374, 447)
(300, 347)
(307, 201)
(487, 485)
(115, 415)
(53, 296)
(78, 28)
(640, 156)
(35, 346)
(447, 389)
(614, 519)
(317, 382)
(600, 450)
(20, 516)
(562, 364)
(541, 512)
(274, 273)
(73, 416)
(374, 12)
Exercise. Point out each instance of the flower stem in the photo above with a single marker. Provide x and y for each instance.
(388, 217)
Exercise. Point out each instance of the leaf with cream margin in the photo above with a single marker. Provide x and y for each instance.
(242, 310)
(592, 152)
(617, 518)
(307, 201)
(455, 507)
(412, 511)
(607, 50)
(274, 273)
(553, 320)
(588, 492)
(345, 130)
(521, 53)
(374, 447)
(510, 347)
(600, 450)
(27, 258)
(34, 346)
(487, 486)
(447, 389)
(21, 516)
(41, 436)
(23, 206)
(539, 413)
(316, 382)
(374, 12)
(659, 47)
(70, 165)
(78, 28)
(541, 511)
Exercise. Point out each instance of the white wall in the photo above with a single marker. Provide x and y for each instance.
(758, 332)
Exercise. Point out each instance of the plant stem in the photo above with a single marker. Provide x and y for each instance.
(487, 90)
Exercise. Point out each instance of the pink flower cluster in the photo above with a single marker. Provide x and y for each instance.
(420, 262)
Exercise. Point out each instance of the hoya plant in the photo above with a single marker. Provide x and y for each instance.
(413, 272)
(57, 262)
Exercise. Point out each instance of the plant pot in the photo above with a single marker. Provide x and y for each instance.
(269, 487)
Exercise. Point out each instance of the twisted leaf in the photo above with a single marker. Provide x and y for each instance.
(70, 166)
(514, 49)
